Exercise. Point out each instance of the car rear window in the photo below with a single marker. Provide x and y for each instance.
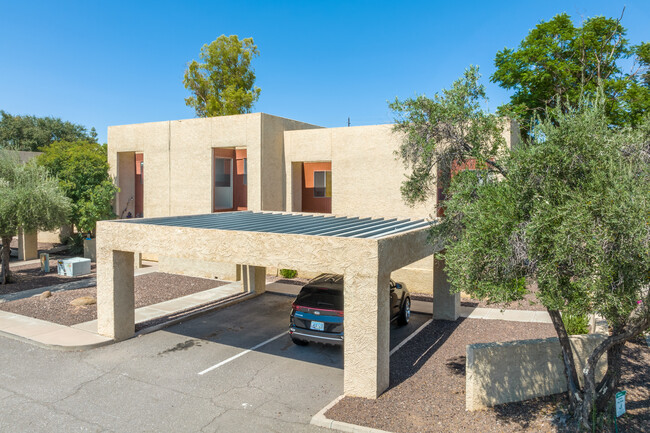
(316, 297)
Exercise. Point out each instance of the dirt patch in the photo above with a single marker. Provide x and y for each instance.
(427, 386)
(149, 289)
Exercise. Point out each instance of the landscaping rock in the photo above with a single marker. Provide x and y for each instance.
(84, 300)
(46, 294)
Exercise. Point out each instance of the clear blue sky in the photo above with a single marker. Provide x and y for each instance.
(111, 62)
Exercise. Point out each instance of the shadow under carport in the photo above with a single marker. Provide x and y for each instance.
(255, 321)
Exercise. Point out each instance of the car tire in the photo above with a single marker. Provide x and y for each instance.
(405, 313)
(299, 342)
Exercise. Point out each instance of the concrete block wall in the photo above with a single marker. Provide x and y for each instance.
(499, 373)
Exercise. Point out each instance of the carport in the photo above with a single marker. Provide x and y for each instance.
(364, 250)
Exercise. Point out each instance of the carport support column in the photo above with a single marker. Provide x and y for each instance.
(446, 305)
(253, 279)
(115, 297)
(27, 245)
(367, 335)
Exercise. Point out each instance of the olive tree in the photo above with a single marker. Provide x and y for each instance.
(568, 209)
(30, 200)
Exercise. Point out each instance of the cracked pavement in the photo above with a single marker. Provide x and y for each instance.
(151, 383)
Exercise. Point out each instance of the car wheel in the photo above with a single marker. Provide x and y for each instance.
(299, 342)
(405, 313)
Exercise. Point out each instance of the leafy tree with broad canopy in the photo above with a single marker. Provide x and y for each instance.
(557, 64)
(567, 208)
(82, 170)
(30, 200)
(31, 133)
(224, 83)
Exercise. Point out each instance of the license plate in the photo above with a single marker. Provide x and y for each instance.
(317, 326)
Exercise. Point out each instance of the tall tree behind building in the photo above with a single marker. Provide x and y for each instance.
(224, 83)
(558, 63)
(32, 133)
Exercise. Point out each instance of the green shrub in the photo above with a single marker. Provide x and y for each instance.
(576, 324)
(288, 273)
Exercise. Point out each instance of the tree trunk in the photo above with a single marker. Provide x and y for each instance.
(615, 342)
(5, 275)
(607, 386)
(575, 394)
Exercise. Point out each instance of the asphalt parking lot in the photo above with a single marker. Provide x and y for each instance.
(198, 376)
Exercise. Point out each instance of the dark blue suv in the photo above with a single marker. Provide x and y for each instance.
(317, 312)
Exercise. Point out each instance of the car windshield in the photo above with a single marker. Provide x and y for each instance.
(317, 297)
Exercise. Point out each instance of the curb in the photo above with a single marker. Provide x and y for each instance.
(191, 315)
(72, 285)
(58, 347)
(320, 420)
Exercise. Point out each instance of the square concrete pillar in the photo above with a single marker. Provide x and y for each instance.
(27, 245)
(367, 335)
(446, 305)
(253, 278)
(115, 297)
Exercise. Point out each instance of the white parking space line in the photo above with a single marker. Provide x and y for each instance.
(232, 358)
(407, 339)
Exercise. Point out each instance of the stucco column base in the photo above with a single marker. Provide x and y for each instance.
(367, 331)
(446, 305)
(27, 245)
(115, 297)
(253, 279)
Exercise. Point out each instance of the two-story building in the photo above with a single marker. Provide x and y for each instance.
(261, 162)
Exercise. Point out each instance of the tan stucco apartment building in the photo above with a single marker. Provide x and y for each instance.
(260, 162)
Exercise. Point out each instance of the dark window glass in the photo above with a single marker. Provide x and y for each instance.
(222, 172)
(314, 297)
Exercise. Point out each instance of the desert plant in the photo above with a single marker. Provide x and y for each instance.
(288, 273)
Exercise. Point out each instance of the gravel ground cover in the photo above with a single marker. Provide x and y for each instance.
(427, 386)
(30, 277)
(149, 289)
(529, 302)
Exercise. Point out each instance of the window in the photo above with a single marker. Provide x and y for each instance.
(222, 172)
(322, 184)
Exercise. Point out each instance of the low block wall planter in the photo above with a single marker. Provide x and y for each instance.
(499, 373)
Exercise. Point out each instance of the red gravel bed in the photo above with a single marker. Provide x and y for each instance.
(29, 277)
(427, 386)
(149, 289)
(427, 383)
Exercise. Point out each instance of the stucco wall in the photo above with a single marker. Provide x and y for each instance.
(366, 180)
(520, 370)
(366, 176)
(273, 171)
(178, 160)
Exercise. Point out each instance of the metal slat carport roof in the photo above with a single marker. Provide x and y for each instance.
(300, 224)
